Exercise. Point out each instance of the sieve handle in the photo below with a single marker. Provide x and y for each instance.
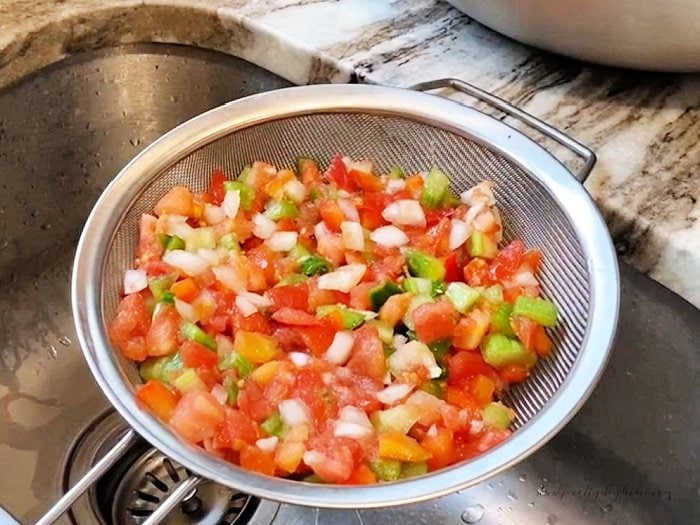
(573, 145)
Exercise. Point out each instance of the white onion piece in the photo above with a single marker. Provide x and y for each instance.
(524, 278)
(295, 190)
(282, 241)
(428, 404)
(394, 393)
(412, 355)
(135, 281)
(213, 214)
(349, 210)
(260, 301)
(175, 225)
(321, 231)
(341, 348)
(231, 203)
(353, 235)
(186, 311)
(268, 444)
(476, 426)
(246, 307)
(365, 166)
(230, 278)
(395, 185)
(213, 257)
(313, 457)
(400, 340)
(263, 227)
(432, 431)
(481, 193)
(405, 212)
(355, 415)
(343, 279)
(300, 359)
(473, 211)
(459, 233)
(351, 430)
(189, 263)
(484, 220)
(389, 236)
(220, 393)
(293, 412)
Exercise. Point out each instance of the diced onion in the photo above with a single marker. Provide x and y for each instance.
(400, 340)
(365, 166)
(473, 211)
(189, 263)
(343, 279)
(293, 412)
(353, 235)
(321, 231)
(213, 257)
(268, 444)
(459, 233)
(351, 430)
(524, 278)
(405, 212)
(389, 236)
(349, 210)
(340, 349)
(186, 311)
(313, 457)
(411, 355)
(355, 415)
(395, 185)
(481, 193)
(231, 203)
(476, 426)
(484, 221)
(260, 301)
(432, 431)
(263, 227)
(295, 190)
(282, 241)
(230, 277)
(220, 393)
(213, 214)
(300, 359)
(245, 306)
(135, 281)
(394, 393)
(175, 225)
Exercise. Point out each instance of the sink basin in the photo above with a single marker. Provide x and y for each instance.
(630, 456)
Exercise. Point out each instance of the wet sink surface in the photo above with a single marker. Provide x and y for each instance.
(630, 456)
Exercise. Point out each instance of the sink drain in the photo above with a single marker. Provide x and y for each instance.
(143, 478)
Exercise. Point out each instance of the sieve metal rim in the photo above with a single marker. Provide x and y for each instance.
(537, 162)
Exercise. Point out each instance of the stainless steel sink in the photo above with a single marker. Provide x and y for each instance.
(629, 457)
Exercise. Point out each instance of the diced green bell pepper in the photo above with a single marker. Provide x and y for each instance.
(493, 294)
(194, 333)
(497, 415)
(246, 192)
(437, 288)
(299, 253)
(313, 478)
(244, 175)
(386, 469)
(435, 387)
(385, 331)
(417, 285)
(481, 245)
(435, 189)
(302, 162)
(499, 351)
(501, 319)
(411, 469)
(159, 286)
(171, 242)
(379, 294)
(231, 386)
(160, 368)
(273, 425)
(188, 380)
(462, 296)
(399, 418)
(440, 348)
(542, 311)
(292, 278)
(423, 265)
(397, 172)
(284, 209)
(415, 303)
(230, 242)
(315, 265)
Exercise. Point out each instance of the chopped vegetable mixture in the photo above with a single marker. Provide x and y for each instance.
(335, 326)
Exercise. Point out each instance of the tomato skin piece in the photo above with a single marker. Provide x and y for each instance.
(464, 365)
(162, 336)
(256, 460)
(158, 398)
(368, 354)
(442, 448)
(197, 416)
(216, 187)
(195, 355)
(290, 296)
(435, 321)
(290, 316)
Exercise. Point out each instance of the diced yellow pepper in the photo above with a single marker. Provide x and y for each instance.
(256, 348)
(275, 188)
(395, 445)
(288, 455)
(265, 372)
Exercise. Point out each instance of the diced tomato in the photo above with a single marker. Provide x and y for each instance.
(339, 456)
(209, 375)
(441, 446)
(476, 273)
(149, 247)
(389, 267)
(533, 259)
(318, 297)
(264, 258)
(464, 365)
(278, 390)
(291, 316)
(491, 438)
(368, 353)
(331, 213)
(332, 248)
(275, 188)
(185, 290)
(162, 336)
(257, 460)
(453, 271)
(178, 201)
(290, 296)
(236, 431)
(197, 416)
(309, 172)
(482, 388)
(533, 336)
(435, 321)
(414, 184)
(461, 398)
(253, 323)
(513, 373)
(359, 296)
(338, 174)
(157, 268)
(289, 339)
(318, 338)
(366, 181)
(370, 209)
(371, 219)
(395, 307)
(362, 475)
(130, 324)
(195, 355)
(252, 402)
(507, 261)
(158, 398)
(316, 395)
(471, 329)
(356, 389)
(216, 187)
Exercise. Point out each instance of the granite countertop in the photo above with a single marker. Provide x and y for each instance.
(645, 127)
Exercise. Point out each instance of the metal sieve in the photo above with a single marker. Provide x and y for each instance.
(540, 200)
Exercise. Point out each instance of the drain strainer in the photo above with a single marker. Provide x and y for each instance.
(142, 479)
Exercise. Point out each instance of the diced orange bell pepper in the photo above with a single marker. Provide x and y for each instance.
(257, 460)
(441, 446)
(514, 373)
(157, 397)
(331, 213)
(185, 290)
(461, 398)
(289, 455)
(395, 445)
(275, 188)
(482, 389)
(255, 347)
(362, 475)
(265, 372)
